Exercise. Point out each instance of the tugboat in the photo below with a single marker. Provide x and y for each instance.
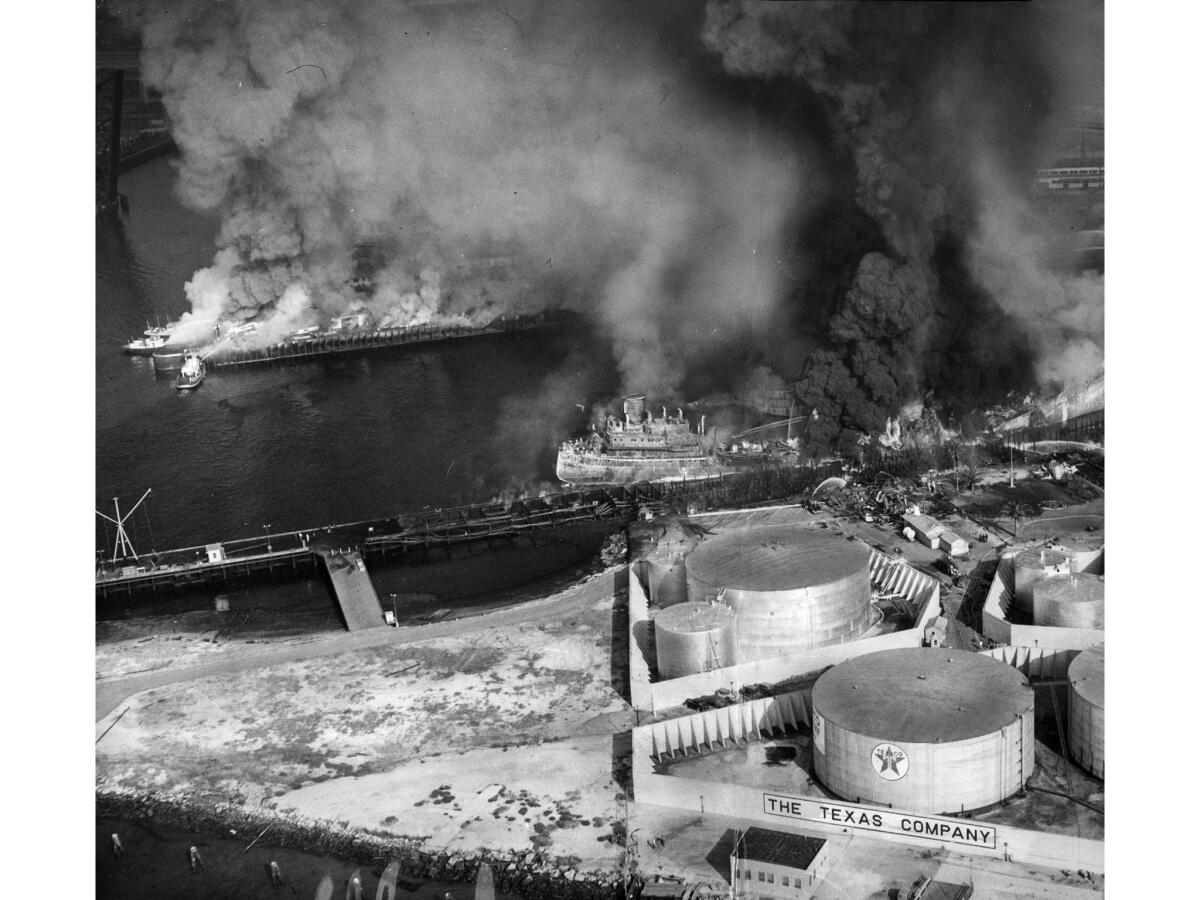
(145, 346)
(191, 373)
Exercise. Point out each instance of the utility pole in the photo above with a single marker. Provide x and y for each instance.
(1011, 483)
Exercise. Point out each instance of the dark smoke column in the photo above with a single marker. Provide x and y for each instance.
(937, 114)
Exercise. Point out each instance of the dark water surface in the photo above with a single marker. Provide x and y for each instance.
(339, 439)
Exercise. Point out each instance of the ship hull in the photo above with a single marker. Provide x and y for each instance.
(576, 468)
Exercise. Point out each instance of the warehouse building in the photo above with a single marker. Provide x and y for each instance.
(767, 863)
(933, 534)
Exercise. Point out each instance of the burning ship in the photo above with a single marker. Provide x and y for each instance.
(643, 448)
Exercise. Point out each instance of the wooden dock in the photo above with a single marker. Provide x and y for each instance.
(412, 536)
(229, 356)
(353, 589)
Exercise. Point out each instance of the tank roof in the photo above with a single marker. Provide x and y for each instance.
(1036, 557)
(1082, 588)
(922, 695)
(685, 617)
(1087, 675)
(776, 558)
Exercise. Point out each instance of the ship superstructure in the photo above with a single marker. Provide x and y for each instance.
(640, 447)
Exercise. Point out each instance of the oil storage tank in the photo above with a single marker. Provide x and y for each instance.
(666, 574)
(694, 637)
(1084, 550)
(1085, 709)
(1072, 601)
(1030, 567)
(791, 588)
(929, 730)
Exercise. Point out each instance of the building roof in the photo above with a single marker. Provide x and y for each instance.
(925, 524)
(779, 848)
(950, 537)
(922, 695)
(776, 558)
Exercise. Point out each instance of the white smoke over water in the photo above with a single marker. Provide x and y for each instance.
(562, 139)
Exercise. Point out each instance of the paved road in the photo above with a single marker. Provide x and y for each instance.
(112, 692)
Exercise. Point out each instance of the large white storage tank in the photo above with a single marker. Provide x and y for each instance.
(1030, 567)
(1085, 709)
(666, 574)
(694, 637)
(929, 730)
(1072, 601)
(791, 588)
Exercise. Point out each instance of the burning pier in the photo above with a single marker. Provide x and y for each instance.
(309, 346)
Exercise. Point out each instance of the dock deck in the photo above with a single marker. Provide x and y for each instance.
(353, 589)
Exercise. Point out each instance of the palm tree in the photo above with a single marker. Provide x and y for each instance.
(1018, 514)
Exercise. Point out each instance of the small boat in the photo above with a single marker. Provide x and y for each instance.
(387, 886)
(354, 887)
(145, 346)
(485, 888)
(325, 889)
(191, 373)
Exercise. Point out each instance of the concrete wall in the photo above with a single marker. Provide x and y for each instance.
(1020, 845)
(996, 626)
(1037, 662)
(716, 728)
(888, 575)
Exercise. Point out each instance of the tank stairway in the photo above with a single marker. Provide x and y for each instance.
(353, 589)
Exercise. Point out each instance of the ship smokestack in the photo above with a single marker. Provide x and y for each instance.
(635, 409)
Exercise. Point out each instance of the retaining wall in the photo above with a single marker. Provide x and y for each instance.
(999, 600)
(821, 814)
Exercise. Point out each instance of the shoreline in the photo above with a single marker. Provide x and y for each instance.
(528, 874)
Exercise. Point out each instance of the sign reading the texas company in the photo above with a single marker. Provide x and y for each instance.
(866, 818)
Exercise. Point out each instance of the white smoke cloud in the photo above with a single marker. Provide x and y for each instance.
(560, 137)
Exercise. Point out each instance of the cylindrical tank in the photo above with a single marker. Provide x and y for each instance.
(694, 637)
(1072, 601)
(930, 730)
(1085, 551)
(1031, 566)
(666, 575)
(1085, 709)
(791, 588)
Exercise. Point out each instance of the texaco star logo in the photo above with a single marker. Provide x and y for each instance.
(890, 762)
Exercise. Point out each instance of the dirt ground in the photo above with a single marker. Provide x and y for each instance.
(264, 734)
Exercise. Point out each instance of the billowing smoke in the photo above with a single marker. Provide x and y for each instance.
(496, 158)
(837, 190)
(939, 113)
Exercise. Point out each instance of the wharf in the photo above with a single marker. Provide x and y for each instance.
(353, 589)
(357, 340)
(418, 536)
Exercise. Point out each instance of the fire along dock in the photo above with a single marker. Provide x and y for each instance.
(342, 551)
(348, 334)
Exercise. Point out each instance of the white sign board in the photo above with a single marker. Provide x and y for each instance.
(867, 818)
